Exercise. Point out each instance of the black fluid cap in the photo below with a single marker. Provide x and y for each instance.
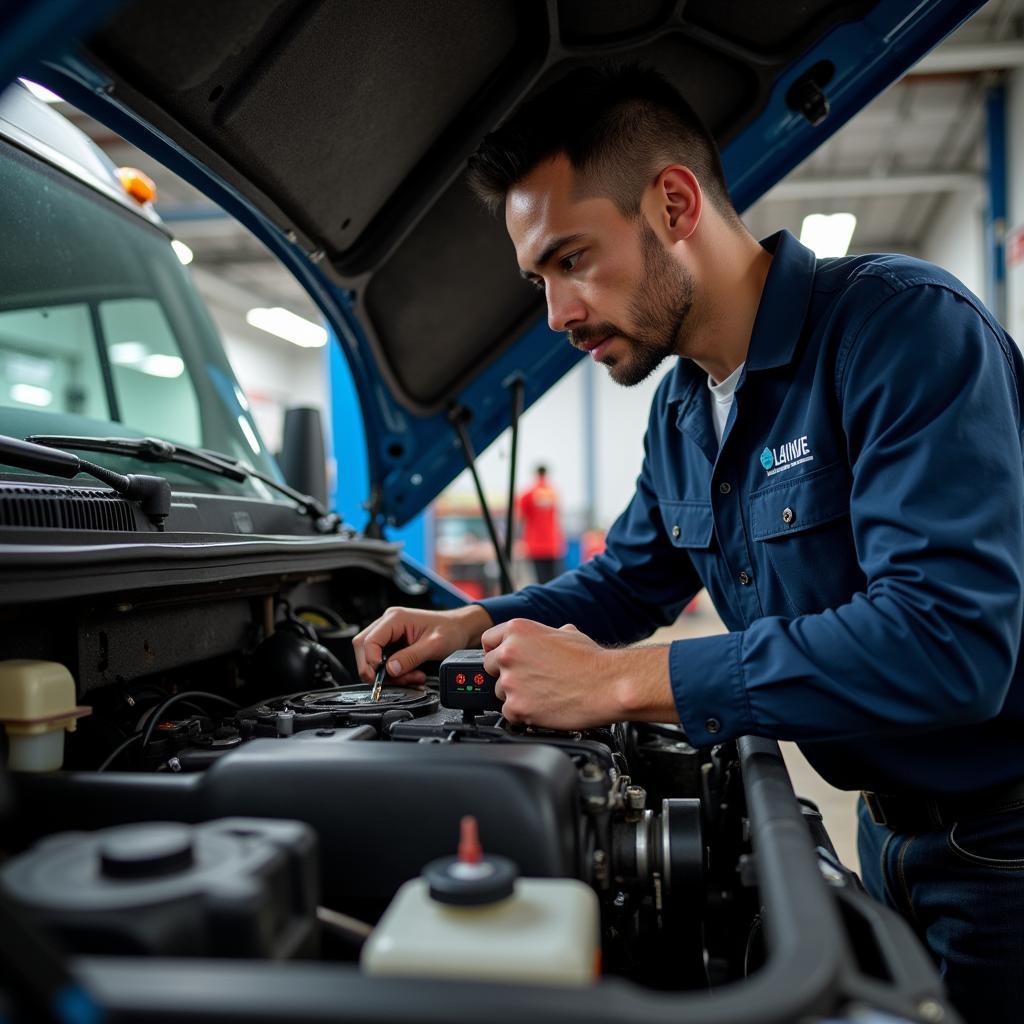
(147, 851)
(453, 881)
(470, 879)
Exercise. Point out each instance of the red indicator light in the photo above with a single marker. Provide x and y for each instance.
(460, 679)
(479, 679)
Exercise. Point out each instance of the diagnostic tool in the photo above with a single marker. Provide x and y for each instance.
(465, 685)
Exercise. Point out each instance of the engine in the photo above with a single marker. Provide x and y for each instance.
(381, 786)
(228, 795)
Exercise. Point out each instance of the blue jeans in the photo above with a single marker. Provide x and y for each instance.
(961, 887)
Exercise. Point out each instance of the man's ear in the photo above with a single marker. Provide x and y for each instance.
(679, 200)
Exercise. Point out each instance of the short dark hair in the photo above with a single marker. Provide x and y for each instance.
(618, 125)
(542, 471)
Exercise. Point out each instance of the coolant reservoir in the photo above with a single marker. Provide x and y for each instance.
(470, 917)
(37, 704)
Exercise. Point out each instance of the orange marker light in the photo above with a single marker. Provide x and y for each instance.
(139, 186)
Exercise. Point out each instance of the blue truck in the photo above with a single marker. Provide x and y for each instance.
(203, 813)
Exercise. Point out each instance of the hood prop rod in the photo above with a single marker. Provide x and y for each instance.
(459, 417)
(517, 388)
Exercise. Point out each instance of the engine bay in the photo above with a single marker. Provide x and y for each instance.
(619, 808)
(231, 792)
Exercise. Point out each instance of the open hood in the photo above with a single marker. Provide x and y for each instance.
(338, 132)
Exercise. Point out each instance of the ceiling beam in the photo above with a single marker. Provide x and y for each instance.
(871, 185)
(958, 59)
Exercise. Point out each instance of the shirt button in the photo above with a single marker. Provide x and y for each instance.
(712, 725)
(724, 487)
(744, 578)
(676, 531)
(788, 515)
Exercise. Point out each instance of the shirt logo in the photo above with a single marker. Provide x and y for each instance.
(786, 456)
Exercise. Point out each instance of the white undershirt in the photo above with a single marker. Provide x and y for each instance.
(721, 399)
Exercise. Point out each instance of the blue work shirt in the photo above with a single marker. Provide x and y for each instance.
(860, 532)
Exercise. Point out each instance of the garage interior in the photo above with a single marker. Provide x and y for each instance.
(915, 168)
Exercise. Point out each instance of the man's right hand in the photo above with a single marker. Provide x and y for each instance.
(424, 636)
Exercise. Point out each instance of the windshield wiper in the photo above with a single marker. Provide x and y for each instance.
(153, 493)
(153, 449)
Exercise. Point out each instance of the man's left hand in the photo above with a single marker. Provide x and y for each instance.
(561, 679)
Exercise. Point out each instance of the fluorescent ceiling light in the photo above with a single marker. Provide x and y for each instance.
(29, 369)
(40, 91)
(29, 394)
(158, 365)
(183, 252)
(828, 234)
(136, 355)
(287, 325)
(128, 353)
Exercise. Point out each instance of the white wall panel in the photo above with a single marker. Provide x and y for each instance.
(1015, 218)
(955, 239)
(275, 375)
(550, 433)
(553, 432)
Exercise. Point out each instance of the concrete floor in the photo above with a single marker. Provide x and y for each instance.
(837, 806)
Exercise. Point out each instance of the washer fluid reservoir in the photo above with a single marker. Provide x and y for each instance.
(37, 706)
(471, 917)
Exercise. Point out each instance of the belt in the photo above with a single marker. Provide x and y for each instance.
(921, 813)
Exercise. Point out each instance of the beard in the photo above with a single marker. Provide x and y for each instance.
(659, 311)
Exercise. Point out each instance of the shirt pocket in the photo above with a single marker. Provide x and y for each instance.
(690, 528)
(803, 540)
(689, 524)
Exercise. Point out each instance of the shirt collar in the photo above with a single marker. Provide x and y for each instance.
(780, 313)
(784, 301)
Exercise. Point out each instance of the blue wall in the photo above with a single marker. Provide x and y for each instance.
(348, 443)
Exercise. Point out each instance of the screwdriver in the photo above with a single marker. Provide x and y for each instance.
(378, 680)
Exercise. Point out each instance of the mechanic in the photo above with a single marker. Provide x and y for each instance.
(836, 456)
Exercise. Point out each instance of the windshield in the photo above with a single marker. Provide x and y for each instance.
(102, 332)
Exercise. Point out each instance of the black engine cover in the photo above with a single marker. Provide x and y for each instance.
(381, 811)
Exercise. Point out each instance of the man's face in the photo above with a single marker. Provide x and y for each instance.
(608, 280)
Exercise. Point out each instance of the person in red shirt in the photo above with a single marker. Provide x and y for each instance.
(542, 531)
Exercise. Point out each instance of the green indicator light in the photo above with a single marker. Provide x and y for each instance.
(469, 689)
